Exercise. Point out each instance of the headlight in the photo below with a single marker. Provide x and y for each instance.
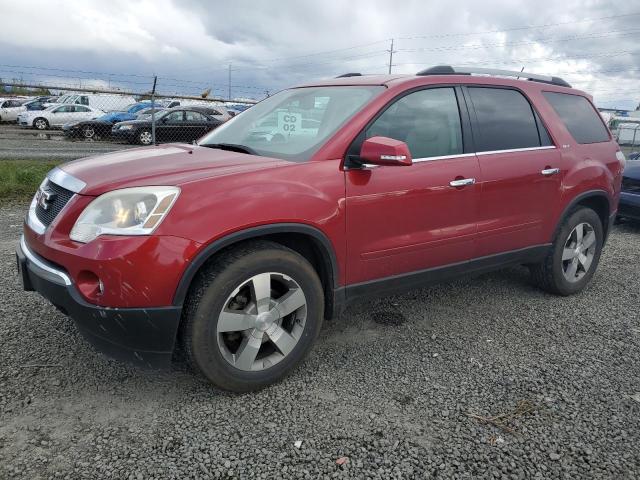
(130, 211)
(125, 127)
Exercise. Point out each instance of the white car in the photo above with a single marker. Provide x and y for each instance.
(10, 109)
(57, 116)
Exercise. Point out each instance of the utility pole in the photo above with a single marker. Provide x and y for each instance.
(390, 56)
(229, 97)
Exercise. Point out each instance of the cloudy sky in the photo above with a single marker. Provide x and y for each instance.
(269, 45)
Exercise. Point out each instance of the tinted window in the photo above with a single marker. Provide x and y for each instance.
(579, 116)
(428, 121)
(505, 120)
(81, 109)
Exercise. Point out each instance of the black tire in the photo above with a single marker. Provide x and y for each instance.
(548, 274)
(143, 137)
(41, 123)
(207, 298)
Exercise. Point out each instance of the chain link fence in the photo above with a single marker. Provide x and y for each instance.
(64, 123)
(628, 137)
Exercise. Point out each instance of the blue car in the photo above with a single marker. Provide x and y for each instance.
(129, 114)
(629, 206)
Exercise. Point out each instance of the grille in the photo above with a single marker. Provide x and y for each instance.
(630, 185)
(60, 199)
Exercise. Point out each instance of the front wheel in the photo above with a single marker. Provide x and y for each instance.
(145, 137)
(252, 316)
(574, 255)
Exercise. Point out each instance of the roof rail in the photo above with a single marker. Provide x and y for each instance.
(345, 75)
(449, 70)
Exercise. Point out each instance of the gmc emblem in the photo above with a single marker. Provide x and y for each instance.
(44, 198)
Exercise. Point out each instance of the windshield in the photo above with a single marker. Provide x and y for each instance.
(293, 124)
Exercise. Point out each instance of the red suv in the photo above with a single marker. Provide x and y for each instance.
(235, 249)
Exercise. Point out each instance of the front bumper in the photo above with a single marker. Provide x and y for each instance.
(143, 336)
(629, 205)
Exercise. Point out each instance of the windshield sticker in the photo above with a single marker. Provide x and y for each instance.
(289, 123)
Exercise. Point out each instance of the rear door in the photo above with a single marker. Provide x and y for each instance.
(404, 219)
(196, 125)
(520, 168)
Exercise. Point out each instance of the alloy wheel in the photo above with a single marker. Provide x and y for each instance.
(261, 321)
(578, 252)
(41, 124)
(146, 138)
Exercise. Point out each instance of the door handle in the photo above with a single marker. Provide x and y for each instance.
(550, 171)
(462, 182)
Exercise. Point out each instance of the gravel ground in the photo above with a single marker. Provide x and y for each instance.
(403, 388)
(18, 143)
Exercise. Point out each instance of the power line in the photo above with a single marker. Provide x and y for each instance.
(527, 27)
(528, 42)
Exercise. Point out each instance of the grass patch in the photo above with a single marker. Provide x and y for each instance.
(19, 179)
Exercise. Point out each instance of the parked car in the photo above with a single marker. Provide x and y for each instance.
(130, 112)
(10, 109)
(90, 129)
(234, 250)
(629, 206)
(180, 124)
(57, 116)
(145, 114)
(33, 105)
(634, 156)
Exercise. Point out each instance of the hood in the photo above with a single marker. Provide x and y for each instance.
(171, 164)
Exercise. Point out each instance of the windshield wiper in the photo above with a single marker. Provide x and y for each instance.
(232, 147)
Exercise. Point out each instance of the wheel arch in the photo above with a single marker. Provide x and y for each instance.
(598, 200)
(306, 240)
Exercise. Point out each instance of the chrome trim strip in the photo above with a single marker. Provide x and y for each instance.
(32, 220)
(513, 150)
(41, 263)
(65, 180)
(442, 157)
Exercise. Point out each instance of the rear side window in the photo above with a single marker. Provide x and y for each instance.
(506, 120)
(579, 116)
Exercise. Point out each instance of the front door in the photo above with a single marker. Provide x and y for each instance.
(406, 219)
(171, 127)
(521, 171)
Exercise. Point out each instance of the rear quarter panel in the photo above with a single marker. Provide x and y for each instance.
(584, 167)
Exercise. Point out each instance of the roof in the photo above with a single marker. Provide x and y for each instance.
(446, 74)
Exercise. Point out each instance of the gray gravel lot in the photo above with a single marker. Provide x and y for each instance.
(18, 143)
(402, 387)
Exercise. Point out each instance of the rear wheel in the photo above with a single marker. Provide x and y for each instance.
(41, 123)
(145, 138)
(574, 255)
(252, 316)
(88, 131)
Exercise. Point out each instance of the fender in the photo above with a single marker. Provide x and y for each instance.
(207, 252)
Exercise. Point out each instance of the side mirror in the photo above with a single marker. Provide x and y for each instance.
(385, 151)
